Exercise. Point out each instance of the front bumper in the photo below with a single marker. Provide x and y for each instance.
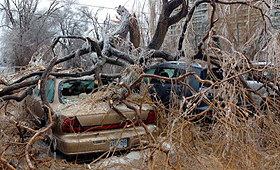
(90, 142)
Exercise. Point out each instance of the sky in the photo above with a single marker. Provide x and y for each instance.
(109, 5)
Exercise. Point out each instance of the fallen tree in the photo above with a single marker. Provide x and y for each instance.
(233, 63)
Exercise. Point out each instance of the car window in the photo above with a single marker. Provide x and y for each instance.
(179, 72)
(75, 88)
(164, 72)
(149, 71)
(50, 88)
(167, 72)
(218, 73)
(269, 74)
(248, 77)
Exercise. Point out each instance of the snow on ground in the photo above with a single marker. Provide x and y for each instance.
(133, 160)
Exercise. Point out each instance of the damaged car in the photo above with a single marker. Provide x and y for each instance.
(89, 126)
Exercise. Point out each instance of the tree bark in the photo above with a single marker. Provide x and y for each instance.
(165, 21)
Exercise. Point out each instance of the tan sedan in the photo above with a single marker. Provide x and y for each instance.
(84, 127)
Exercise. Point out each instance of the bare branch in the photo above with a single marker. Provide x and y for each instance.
(188, 18)
(9, 89)
(164, 55)
(164, 21)
(43, 82)
(121, 55)
(18, 98)
(5, 162)
(177, 17)
(31, 141)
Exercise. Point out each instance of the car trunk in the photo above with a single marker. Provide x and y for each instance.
(110, 117)
(86, 117)
(82, 108)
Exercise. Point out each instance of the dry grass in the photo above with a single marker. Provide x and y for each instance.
(236, 138)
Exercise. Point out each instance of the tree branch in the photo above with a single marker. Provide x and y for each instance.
(177, 17)
(164, 22)
(121, 55)
(31, 141)
(9, 89)
(189, 17)
(164, 55)
(18, 98)
(43, 82)
(171, 5)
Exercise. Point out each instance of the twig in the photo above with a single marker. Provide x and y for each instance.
(5, 162)
(127, 88)
(139, 119)
(31, 141)
(111, 104)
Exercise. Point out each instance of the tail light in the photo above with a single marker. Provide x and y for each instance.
(71, 125)
(151, 117)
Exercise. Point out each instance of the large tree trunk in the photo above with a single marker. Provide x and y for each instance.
(165, 21)
(160, 33)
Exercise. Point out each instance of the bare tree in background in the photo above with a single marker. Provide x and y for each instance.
(25, 28)
(71, 22)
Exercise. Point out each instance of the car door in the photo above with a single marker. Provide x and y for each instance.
(34, 102)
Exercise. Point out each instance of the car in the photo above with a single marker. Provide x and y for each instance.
(173, 69)
(90, 127)
(266, 72)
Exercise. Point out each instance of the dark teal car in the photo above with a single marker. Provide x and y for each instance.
(175, 69)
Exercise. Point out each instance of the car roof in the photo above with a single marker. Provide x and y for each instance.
(176, 64)
(262, 63)
(75, 78)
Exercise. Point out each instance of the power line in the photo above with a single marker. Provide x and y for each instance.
(94, 6)
(78, 4)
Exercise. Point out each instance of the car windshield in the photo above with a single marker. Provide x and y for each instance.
(171, 72)
(71, 89)
(167, 72)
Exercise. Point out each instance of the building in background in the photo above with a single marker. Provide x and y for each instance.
(200, 20)
(241, 21)
(275, 15)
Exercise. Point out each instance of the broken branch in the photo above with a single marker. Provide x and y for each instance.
(5, 162)
(31, 141)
